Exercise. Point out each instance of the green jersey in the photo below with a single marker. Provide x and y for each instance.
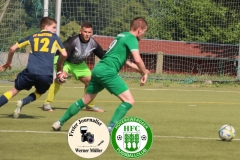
(120, 49)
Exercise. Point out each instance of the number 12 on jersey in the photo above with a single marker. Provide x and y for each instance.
(44, 42)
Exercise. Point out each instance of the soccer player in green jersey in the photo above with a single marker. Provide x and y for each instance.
(105, 74)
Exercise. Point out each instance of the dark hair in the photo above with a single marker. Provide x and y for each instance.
(86, 25)
(46, 21)
(138, 22)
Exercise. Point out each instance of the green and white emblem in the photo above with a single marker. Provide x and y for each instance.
(131, 137)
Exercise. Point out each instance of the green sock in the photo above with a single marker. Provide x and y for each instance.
(119, 113)
(71, 111)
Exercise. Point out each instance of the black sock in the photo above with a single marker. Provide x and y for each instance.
(30, 98)
(3, 100)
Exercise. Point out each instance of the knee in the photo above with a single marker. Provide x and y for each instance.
(14, 91)
(131, 101)
(86, 83)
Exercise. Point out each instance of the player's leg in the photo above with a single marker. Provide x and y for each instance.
(91, 106)
(8, 95)
(19, 85)
(23, 82)
(92, 90)
(53, 90)
(20, 103)
(73, 110)
(127, 103)
(83, 73)
(42, 84)
(119, 88)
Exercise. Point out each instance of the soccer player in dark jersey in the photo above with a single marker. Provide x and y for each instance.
(78, 47)
(105, 74)
(39, 70)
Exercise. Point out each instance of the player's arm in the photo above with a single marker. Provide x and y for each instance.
(68, 48)
(139, 62)
(9, 59)
(22, 43)
(62, 55)
(99, 52)
(132, 44)
(61, 76)
(61, 59)
(11, 53)
(141, 66)
(69, 45)
(134, 66)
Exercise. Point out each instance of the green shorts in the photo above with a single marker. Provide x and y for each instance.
(103, 76)
(78, 70)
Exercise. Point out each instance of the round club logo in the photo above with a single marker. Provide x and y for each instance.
(88, 137)
(131, 137)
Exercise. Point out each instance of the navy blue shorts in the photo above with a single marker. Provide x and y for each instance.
(27, 81)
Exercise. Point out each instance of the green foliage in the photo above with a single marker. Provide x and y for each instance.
(69, 29)
(198, 21)
(215, 21)
(11, 26)
(123, 17)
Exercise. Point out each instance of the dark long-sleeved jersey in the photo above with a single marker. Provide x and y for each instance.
(78, 51)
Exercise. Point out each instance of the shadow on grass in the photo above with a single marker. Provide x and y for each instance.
(223, 141)
(58, 108)
(21, 116)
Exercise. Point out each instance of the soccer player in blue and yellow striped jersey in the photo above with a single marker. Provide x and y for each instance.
(39, 70)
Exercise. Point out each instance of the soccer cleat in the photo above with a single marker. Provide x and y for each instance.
(110, 128)
(17, 111)
(56, 126)
(94, 109)
(47, 107)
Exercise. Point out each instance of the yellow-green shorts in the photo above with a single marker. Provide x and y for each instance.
(78, 70)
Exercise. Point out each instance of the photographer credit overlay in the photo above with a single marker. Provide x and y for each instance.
(131, 137)
(88, 137)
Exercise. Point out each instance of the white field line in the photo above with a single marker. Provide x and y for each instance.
(147, 89)
(155, 136)
(178, 90)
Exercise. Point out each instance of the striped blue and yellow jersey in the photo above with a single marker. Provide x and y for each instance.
(43, 46)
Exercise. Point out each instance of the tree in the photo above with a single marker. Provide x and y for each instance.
(123, 16)
(69, 29)
(11, 26)
(199, 21)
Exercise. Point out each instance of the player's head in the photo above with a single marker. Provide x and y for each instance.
(48, 24)
(86, 31)
(139, 27)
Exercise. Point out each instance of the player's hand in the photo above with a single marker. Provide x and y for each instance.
(61, 76)
(148, 72)
(5, 66)
(143, 79)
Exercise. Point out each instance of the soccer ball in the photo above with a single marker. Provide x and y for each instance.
(226, 132)
(144, 137)
(119, 137)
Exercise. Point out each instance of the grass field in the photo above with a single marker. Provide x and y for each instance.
(184, 120)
